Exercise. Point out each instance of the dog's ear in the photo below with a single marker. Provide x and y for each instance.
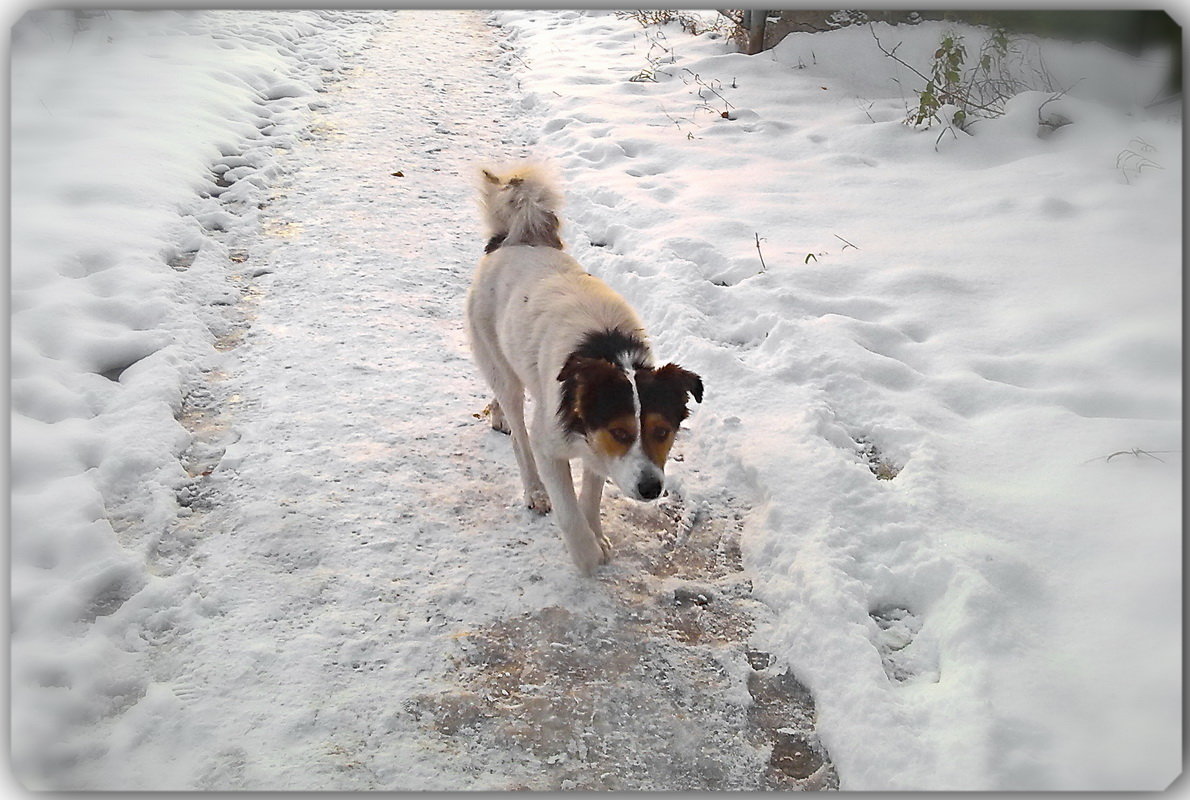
(490, 178)
(594, 391)
(574, 378)
(583, 370)
(682, 378)
(571, 368)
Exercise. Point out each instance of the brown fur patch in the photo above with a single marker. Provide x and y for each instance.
(605, 442)
(658, 437)
(594, 393)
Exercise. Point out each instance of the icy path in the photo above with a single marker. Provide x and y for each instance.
(377, 611)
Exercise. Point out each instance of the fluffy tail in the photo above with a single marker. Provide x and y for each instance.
(520, 207)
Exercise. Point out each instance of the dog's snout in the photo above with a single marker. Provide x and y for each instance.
(649, 487)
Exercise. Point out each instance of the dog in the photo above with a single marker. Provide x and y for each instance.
(537, 321)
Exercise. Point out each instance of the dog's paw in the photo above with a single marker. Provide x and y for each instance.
(538, 500)
(605, 544)
(590, 556)
(496, 416)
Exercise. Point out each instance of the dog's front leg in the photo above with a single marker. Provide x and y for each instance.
(582, 542)
(589, 502)
(513, 414)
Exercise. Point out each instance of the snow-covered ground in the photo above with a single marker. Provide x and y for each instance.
(926, 523)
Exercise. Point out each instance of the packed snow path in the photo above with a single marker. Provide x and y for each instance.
(378, 611)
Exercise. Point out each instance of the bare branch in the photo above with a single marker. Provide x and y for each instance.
(1135, 452)
(763, 267)
(893, 54)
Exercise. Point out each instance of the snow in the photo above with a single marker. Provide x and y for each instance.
(261, 540)
(1039, 577)
(120, 126)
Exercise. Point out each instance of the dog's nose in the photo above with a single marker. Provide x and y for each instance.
(649, 488)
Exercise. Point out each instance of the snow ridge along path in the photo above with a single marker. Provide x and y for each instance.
(376, 610)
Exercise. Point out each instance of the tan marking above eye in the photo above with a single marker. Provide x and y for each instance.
(658, 438)
(616, 439)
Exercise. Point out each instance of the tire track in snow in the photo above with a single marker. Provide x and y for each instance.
(380, 612)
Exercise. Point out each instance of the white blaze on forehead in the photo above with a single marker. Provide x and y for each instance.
(628, 470)
(630, 372)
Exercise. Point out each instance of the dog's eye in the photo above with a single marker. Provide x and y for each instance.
(661, 434)
(621, 435)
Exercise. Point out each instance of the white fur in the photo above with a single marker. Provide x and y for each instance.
(521, 204)
(527, 310)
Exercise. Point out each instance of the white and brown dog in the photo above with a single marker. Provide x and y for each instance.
(538, 321)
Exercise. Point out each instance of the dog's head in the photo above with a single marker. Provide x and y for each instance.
(629, 417)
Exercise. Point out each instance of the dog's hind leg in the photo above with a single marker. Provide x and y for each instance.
(511, 401)
(496, 415)
(508, 409)
(585, 546)
(589, 501)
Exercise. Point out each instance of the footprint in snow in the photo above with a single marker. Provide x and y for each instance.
(904, 659)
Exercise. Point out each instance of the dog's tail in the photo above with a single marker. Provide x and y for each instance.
(520, 207)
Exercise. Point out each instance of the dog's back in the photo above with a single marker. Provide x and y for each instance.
(557, 301)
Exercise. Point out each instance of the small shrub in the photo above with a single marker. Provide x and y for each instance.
(660, 53)
(976, 90)
(689, 23)
(944, 85)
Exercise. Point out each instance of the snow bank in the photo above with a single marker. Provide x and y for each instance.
(982, 319)
(142, 144)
